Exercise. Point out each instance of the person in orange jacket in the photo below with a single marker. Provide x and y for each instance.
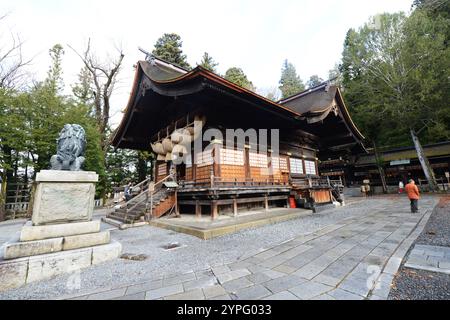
(413, 194)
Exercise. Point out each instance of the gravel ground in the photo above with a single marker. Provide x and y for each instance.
(412, 284)
(194, 253)
(437, 229)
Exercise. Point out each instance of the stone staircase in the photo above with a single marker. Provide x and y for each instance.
(153, 204)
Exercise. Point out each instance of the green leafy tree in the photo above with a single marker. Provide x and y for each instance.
(434, 7)
(168, 47)
(32, 122)
(313, 81)
(237, 76)
(208, 62)
(290, 82)
(83, 89)
(395, 73)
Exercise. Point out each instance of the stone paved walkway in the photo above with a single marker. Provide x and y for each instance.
(356, 258)
(430, 258)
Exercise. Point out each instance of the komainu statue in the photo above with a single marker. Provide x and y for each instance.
(70, 149)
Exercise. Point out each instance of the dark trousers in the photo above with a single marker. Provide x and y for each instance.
(414, 205)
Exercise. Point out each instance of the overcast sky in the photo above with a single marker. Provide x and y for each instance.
(253, 35)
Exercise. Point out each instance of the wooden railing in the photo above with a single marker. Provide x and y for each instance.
(146, 195)
(219, 182)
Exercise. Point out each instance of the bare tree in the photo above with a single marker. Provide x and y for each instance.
(12, 62)
(104, 77)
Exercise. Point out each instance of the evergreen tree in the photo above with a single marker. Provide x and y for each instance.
(396, 78)
(54, 81)
(237, 76)
(208, 62)
(290, 82)
(313, 81)
(168, 48)
(83, 89)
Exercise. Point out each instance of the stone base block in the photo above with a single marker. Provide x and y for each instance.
(13, 273)
(13, 250)
(32, 248)
(30, 232)
(107, 252)
(50, 265)
(17, 272)
(86, 240)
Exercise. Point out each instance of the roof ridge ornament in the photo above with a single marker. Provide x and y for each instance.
(148, 56)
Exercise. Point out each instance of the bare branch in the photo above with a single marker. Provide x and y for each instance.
(104, 77)
(12, 62)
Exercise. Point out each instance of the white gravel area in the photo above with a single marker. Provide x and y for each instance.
(194, 253)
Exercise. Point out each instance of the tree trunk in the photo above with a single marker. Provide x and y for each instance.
(426, 167)
(141, 167)
(3, 197)
(380, 169)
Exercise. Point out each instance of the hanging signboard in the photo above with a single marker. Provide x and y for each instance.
(398, 162)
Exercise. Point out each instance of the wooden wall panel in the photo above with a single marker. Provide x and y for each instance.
(204, 173)
(188, 174)
(232, 172)
(161, 171)
(259, 174)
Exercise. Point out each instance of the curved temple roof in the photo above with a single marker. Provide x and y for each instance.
(166, 79)
(317, 102)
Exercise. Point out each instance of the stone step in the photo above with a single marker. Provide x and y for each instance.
(30, 232)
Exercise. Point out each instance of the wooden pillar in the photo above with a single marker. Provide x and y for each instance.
(288, 160)
(266, 202)
(177, 206)
(194, 165)
(214, 210)
(270, 165)
(198, 209)
(235, 207)
(247, 161)
(216, 157)
(316, 162)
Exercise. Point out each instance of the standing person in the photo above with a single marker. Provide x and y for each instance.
(127, 191)
(363, 190)
(413, 194)
(400, 187)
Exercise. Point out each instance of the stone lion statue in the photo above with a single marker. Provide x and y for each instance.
(71, 145)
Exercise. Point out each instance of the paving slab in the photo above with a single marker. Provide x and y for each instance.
(284, 283)
(196, 294)
(255, 292)
(164, 291)
(283, 295)
(214, 291)
(143, 287)
(310, 289)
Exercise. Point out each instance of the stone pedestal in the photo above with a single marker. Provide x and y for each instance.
(63, 196)
(60, 237)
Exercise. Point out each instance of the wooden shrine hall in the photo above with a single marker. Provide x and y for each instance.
(217, 174)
